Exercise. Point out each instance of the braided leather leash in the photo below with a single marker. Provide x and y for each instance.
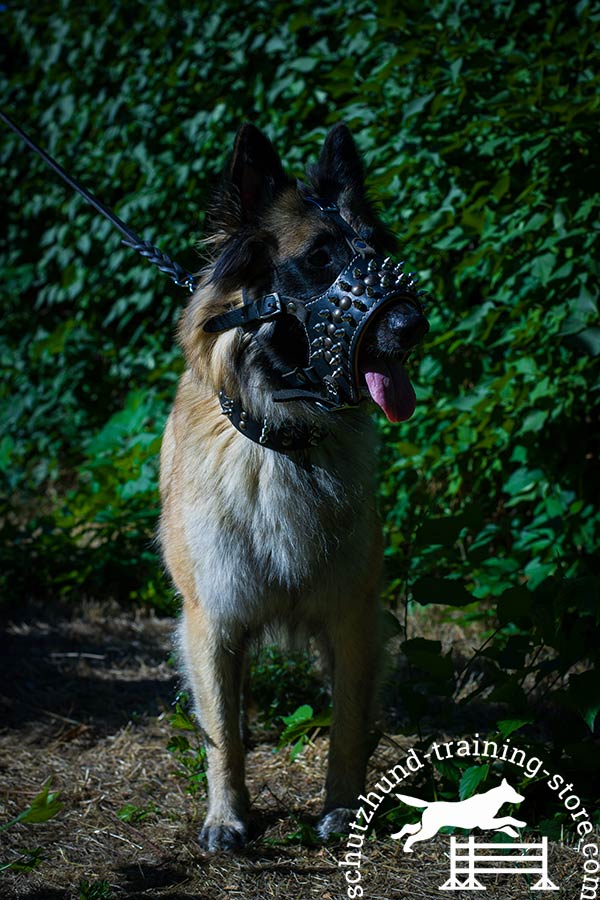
(167, 265)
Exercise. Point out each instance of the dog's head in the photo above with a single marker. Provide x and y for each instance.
(509, 794)
(267, 239)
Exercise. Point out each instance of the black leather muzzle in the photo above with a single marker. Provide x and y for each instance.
(334, 323)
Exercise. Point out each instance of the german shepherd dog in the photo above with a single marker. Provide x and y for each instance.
(268, 502)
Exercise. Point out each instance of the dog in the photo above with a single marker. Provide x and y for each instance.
(268, 459)
(475, 812)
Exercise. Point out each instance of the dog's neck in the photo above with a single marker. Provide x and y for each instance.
(282, 437)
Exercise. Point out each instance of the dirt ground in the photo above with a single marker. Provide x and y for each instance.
(85, 700)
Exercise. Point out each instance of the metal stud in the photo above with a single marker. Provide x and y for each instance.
(372, 265)
(265, 432)
(328, 357)
(345, 302)
(345, 286)
(324, 313)
(320, 326)
(372, 278)
(328, 343)
(337, 315)
(358, 289)
(359, 304)
(331, 329)
(386, 280)
(357, 273)
(226, 404)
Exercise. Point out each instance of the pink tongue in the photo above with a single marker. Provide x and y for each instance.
(389, 387)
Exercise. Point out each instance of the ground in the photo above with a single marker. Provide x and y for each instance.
(86, 701)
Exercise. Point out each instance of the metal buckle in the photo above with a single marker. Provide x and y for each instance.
(268, 306)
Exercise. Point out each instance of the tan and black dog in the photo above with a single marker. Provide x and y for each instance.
(268, 459)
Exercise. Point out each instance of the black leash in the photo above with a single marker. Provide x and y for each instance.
(145, 248)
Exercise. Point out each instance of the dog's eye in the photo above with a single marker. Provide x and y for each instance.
(319, 258)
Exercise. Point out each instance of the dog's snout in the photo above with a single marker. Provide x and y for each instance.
(407, 324)
(399, 328)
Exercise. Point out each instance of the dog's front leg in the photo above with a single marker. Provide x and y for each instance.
(354, 653)
(214, 663)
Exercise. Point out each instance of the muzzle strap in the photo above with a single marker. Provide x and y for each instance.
(261, 310)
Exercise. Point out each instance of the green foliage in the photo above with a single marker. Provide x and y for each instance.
(280, 682)
(189, 754)
(300, 727)
(135, 814)
(43, 807)
(479, 125)
(99, 889)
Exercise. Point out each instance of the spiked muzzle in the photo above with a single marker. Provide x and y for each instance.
(334, 322)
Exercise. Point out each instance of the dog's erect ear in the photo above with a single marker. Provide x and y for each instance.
(251, 182)
(255, 171)
(340, 173)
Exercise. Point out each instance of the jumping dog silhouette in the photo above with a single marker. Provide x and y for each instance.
(475, 812)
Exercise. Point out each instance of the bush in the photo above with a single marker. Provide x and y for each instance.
(479, 124)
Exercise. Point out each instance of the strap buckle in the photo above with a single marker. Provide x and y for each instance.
(260, 310)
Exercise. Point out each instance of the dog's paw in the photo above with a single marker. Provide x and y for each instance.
(335, 822)
(509, 830)
(216, 836)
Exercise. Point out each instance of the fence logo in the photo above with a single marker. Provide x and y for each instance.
(480, 811)
(470, 858)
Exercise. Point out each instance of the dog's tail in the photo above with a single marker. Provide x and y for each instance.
(413, 801)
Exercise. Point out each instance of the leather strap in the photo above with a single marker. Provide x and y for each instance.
(283, 438)
(261, 310)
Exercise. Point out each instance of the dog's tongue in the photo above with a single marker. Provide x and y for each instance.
(390, 387)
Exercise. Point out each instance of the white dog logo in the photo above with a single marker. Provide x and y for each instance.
(475, 812)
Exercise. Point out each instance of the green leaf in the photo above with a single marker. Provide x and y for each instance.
(45, 806)
(471, 779)
(584, 690)
(588, 340)
(427, 655)
(28, 860)
(416, 105)
(506, 727)
(299, 724)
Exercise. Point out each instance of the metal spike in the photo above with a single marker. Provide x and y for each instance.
(372, 265)
(387, 263)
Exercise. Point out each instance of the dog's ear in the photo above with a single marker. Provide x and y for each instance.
(255, 173)
(339, 177)
(340, 174)
(251, 182)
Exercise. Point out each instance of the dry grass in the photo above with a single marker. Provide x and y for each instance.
(89, 709)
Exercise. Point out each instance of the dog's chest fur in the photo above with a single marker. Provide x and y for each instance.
(264, 529)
